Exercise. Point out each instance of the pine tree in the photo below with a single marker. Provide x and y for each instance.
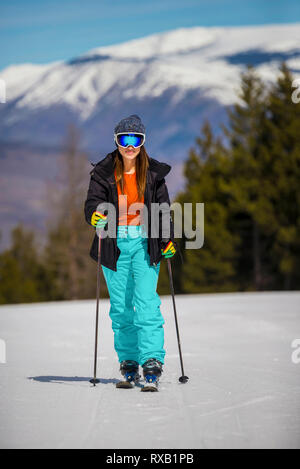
(252, 213)
(212, 267)
(284, 143)
(69, 237)
(23, 278)
(251, 191)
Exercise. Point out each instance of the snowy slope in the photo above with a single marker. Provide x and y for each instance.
(243, 390)
(172, 78)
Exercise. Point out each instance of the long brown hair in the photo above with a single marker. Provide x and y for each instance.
(141, 166)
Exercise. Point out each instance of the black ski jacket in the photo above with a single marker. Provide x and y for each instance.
(103, 188)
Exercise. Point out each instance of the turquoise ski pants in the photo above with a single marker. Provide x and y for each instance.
(137, 321)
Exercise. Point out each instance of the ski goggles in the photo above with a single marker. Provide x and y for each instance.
(126, 139)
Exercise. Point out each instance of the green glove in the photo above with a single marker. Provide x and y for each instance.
(99, 220)
(168, 249)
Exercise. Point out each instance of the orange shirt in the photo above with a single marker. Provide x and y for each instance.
(130, 190)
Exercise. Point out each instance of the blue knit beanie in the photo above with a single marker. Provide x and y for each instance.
(132, 123)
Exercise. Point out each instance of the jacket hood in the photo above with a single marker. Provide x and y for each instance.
(105, 167)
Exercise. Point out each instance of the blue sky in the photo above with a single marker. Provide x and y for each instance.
(41, 31)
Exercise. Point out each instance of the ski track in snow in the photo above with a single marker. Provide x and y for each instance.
(243, 390)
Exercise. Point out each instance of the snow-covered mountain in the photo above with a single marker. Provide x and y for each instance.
(243, 390)
(172, 79)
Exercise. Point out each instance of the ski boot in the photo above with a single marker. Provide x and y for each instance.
(130, 370)
(152, 370)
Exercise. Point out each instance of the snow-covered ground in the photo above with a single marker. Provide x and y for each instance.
(243, 390)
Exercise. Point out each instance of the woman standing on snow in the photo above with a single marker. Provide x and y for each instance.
(131, 259)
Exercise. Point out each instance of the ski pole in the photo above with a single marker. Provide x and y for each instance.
(95, 381)
(183, 378)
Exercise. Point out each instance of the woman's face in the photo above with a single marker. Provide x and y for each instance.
(130, 152)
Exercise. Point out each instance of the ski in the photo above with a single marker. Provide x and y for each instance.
(124, 385)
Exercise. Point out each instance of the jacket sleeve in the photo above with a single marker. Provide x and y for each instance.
(97, 193)
(162, 196)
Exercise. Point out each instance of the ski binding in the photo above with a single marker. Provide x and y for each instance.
(130, 381)
(151, 384)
